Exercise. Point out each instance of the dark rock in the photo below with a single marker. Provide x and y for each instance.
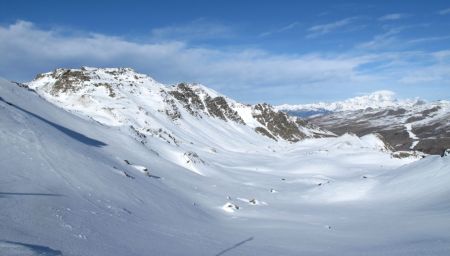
(264, 132)
(433, 146)
(188, 98)
(218, 107)
(434, 135)
(278, 123)
(67, 80)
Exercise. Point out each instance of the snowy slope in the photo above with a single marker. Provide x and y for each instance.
(76, 186)
(123, 97)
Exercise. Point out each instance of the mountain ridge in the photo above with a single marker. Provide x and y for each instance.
(374, 100)
(103, 93)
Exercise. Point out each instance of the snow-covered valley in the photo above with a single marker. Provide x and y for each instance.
(127, 166)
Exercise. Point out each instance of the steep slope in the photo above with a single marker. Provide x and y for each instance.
(183, 113)
(72, 186)
(66, 189)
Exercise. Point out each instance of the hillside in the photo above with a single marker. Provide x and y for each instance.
(404, 124)
(81, 179)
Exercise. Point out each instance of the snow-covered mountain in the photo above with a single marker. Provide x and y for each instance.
(404, 124)
(375, 100)
(424, 127)
(122, 97)
(82, 175)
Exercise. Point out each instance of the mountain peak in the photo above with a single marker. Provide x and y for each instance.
(374, 100)
(122, 97)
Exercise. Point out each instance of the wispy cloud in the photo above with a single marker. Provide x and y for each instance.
(391, 37)
(444, 11)
(282, 29)
(393, 16)
(199, 29)
(428, 39)
(382, 40)
(320, 30)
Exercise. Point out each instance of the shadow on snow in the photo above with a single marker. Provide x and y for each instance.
(71, 133)
(235, 246)
(17, 248)
(7, 194)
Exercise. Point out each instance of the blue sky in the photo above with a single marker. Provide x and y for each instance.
(253, 51)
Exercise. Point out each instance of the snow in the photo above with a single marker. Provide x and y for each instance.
(375, 100)
(229, 207)
(410, 133)
(62, 191)
(413, 136)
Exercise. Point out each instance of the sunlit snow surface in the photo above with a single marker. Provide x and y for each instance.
(66, 189)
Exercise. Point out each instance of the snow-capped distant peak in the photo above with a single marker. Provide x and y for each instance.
(375, 100)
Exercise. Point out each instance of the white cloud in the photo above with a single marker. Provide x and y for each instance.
(444, 11)
(244, 73)
(319, 30)
(27, 49)
(393, 16)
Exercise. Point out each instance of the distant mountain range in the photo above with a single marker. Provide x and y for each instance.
(375, 100)
(404, 124)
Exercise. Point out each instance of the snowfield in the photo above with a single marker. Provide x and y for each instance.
(83, 183)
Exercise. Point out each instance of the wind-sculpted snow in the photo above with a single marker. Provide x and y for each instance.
(214, 191)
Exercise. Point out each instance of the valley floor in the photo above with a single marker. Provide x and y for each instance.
(71, 186)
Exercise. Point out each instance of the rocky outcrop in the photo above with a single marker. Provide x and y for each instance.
(278, 123)
(189, 99)
(66, 79)
(218, 107)
(445, 152)
(428, 132)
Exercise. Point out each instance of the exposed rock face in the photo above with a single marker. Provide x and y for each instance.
(67, 79)
(277, 123)
(218, 107)
(264, 132)
(423, 127)
(189, 99)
